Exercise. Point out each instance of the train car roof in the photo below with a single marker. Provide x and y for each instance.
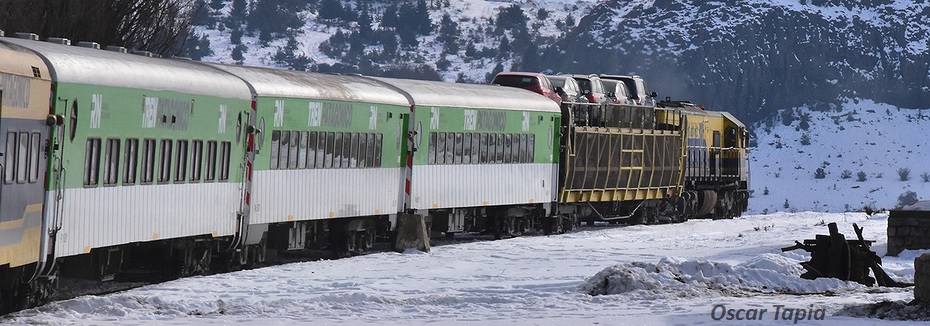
(21, 62)
(74, 64)
(434, 93)
(309, 85)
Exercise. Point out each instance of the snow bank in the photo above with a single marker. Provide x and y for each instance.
(768, 273)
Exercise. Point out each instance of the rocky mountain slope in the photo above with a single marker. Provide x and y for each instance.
(750, 57)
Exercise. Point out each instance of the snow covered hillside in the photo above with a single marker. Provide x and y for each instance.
(678, 274)
(861, 147)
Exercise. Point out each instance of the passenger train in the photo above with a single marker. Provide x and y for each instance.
(114, 161)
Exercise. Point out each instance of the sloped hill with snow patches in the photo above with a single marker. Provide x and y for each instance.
(839, 158)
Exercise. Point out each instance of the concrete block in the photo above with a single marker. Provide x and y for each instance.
(922, 278)
(411, 233)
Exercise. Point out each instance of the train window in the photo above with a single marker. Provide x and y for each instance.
(450, 148)
(111, 169)
(363, 151)
(22, 157)
(378, 138)
(346, 149)
(148, 161)
(92, 162)
(475, 147)
(302, 150)
(370, 154)
(275, 150)
(210, 168)
(164, 161)
(519, 144)
(716, 138)
(34, 157)
(74, 119)
(196, 160)
(440, 148)
(508, 148)
(284, 149)
(313, 153)
(466, 149)
(328, 150)
(292, 150)
(130, 160)
(337, 150)
(459, 147)
(9, 158)
(482, 148)
(225, 148)
(180, 173)
(495, 148)
(431, 153)
(353, 151)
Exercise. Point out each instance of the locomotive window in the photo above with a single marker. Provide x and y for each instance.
(225, 148)
(130, 161)
(378, 138)
(284, 149)
(353, 151)
(34, 157)
(9, 158)
(466, 149)
(292, 151)
(210, 169)
(111, 169)
(275, 150)
(716, 138)
(180, 173)
(519, 143)
(148, 161)
(363, 151)
(22, 157)
(459, 147)
(92, 162)
(196, 160)
(370, 154)
(164, 161)
(302, 150)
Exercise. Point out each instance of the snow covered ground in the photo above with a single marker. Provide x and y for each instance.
(875, 139)
(677, 274)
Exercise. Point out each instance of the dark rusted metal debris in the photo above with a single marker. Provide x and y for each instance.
(849, 260)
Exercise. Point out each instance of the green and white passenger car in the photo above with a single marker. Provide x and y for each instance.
(150, 150)
(330, 152)
(485, 156)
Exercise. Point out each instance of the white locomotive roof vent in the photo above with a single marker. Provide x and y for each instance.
(59, 40)
(119, 49)
(92, 45)
(28, 36)
(142, 53)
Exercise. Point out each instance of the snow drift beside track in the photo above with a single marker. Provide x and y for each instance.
(671, 277)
